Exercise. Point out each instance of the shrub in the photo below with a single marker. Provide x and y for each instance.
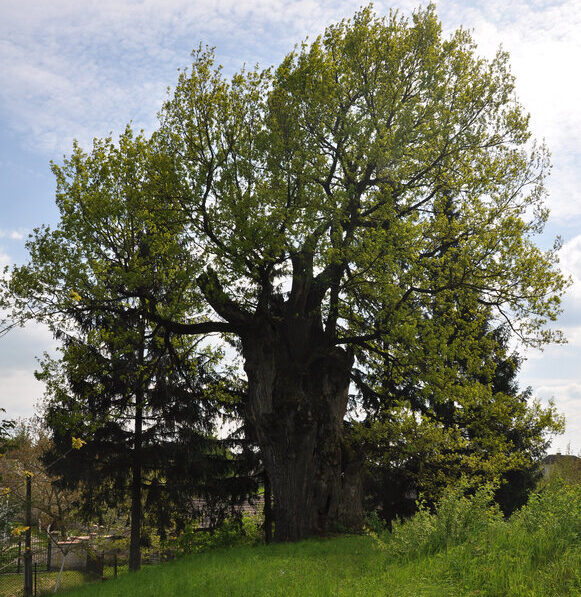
(460, 515)
(536, 552)
(236, 530)
(375, 524)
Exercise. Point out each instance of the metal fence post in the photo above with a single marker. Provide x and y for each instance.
(28, 537)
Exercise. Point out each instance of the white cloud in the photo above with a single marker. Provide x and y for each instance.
(570, 257)
(554, 372)
(570, 320)
(567, 395)
(82, 69)
(545, 47)
(570, 262)
(13, 234)
(19, 351)
(21, 392)
(70, 69)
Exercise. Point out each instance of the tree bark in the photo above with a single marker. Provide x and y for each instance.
(136, 510)
(351, 503)
(298, 386)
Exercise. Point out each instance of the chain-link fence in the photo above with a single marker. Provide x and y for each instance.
(53, 567)
(13, 564)
(34, 562)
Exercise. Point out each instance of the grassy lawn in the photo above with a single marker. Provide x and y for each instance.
(11, 585)
(465, 548)
(348, 566)
(341, 566)
(344, 566)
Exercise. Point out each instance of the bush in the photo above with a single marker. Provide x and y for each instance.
(536, 552)
(551, 520)
(458, 517)
(236, 530)
(375, 524)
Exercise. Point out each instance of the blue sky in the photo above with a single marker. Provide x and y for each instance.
(82, 69)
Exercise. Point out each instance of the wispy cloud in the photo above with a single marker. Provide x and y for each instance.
(554, 373)
(72, 69)
(13, 234)
(21, 393)
(80, 69)
(545, 47)
(570, 263)
(567, 395)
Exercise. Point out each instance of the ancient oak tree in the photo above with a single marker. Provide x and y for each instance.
(311, 213)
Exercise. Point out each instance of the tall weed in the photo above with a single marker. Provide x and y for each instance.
(536, 552)
(458, 517)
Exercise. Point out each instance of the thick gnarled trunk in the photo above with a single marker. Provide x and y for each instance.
(298, 389)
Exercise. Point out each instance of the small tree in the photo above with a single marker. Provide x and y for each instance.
(54, 509)
(146, 403)
(6, 426)
(148, 427)
(471, 420)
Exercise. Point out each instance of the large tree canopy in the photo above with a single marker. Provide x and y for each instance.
(372, 200)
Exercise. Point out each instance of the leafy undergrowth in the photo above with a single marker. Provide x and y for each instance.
(537, 552)
(464, 549)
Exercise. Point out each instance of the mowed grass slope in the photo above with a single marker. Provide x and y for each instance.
(465, 548)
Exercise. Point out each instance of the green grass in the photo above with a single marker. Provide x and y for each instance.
(11, 585)
(347, 566)
(464, 549)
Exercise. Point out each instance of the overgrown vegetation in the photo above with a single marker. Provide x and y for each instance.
(535, 552)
